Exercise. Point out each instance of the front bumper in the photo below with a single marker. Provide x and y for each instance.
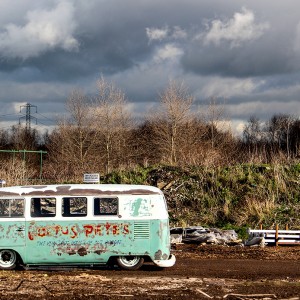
(166, 263)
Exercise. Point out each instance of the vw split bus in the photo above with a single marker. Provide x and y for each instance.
(83, 224)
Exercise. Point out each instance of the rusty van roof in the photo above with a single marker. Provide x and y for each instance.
(78, 190)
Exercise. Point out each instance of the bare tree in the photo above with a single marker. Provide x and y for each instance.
(169, 120)
(295, 137)
(114, 123)
(4, 139)
(24, 138)
(82, 123)
(253, 131)
(215, 118)
(193, 143)
(219, 140)
(253, 137)
(72, 144)
(142, 148)
(279, 130)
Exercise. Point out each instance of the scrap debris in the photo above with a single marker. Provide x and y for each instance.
(201, 235)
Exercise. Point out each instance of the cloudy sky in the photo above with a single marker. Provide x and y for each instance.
(246, 53)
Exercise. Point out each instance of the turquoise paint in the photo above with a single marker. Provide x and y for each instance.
(140, 208)
(86, 241)
(160, 245)
(90, 242)
(61, 240)
(12, 236)
(135, 207)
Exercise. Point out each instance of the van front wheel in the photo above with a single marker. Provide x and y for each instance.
(130, 262)
(8, 259)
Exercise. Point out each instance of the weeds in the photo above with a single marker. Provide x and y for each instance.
(239, 195)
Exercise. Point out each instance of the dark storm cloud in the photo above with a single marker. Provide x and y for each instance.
(245, 51)
(111, 37)
(108, 42)
(243, 45)
(248, 61)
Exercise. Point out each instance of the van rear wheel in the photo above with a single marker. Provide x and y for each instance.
(130, 262)
(8, 259)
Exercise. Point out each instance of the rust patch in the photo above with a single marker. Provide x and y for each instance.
(67, 190)
(158, 255)
(34, 186)
(82, 251)
(165, 256)
(7, 194)
(71, 252)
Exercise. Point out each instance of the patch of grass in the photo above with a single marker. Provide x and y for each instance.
(240, 195)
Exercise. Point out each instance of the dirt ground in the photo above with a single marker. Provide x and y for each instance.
(201, 272)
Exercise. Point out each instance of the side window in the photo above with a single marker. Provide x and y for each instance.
(105, 206)
(74, 207)
(13, 208)
(43, 207)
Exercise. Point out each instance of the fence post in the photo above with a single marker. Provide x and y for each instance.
(276, 235)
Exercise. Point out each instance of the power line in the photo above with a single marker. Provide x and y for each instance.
(46, 117)
(7, 115)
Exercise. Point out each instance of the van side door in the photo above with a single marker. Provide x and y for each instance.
(12, 219)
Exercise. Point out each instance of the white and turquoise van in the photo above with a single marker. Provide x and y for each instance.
(84, 224)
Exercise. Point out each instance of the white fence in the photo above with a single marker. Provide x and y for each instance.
(277, 236)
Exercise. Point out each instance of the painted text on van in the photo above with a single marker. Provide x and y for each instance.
(73, 231)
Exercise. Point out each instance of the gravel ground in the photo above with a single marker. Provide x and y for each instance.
(201, 272)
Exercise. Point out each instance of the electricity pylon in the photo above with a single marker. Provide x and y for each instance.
(28, 117)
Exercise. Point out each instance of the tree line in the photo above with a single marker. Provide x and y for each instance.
(99, 134)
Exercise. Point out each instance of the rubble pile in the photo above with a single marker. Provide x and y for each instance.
(201, 235)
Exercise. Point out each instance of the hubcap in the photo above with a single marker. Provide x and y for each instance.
(7, 258)
(130, 260)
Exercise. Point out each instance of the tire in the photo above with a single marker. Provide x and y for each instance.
(8, 259)
(130, 262)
